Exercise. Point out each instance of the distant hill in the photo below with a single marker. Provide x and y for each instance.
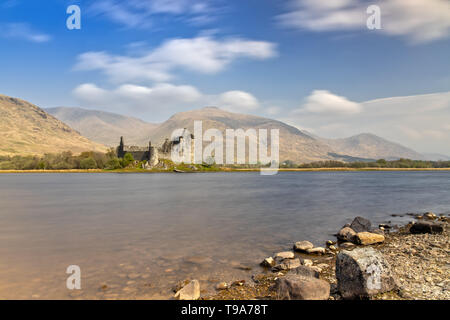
(368, 145)
(294, 144)
(436, 157)
(27, 129)
(105, 127)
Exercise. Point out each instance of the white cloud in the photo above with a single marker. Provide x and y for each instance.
(161, 100)
(420, 122)
(23, 31)
(141, 13)
(323, 101)
(418, 20)
(202, 54)
(129, 96)
(237, 101)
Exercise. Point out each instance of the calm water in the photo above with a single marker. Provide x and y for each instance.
(138, 234)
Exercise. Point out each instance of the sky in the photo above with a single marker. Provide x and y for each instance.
(313, 64)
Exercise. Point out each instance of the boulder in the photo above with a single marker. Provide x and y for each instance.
(297, 287)
(318, 250)
(268, 262)
(360, 224)
(362, 273)
(367, 238)
(189, 292)
(285, 255)
(303, 246)
(426, 227)
(305, 271)
(346, 234)
(287, 264)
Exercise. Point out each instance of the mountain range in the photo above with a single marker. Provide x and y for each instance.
(296, 145)
(27, 129)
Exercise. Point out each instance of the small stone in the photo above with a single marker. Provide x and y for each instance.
(367, 238)
(430, 216)
(222, 286)
(318, 250)
(132, 276)
(238, 283)
(346, 234)
(360, 224)
(426, 227)
(346, 245)
(330, 243)
(307, 263)
(189, 292)
(285, 255)
(332, 248)
(268, 262)
(305, 271)
(317, 269)
(287, 264)
(303, 246)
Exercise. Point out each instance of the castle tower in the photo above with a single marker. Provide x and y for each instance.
(120, 149)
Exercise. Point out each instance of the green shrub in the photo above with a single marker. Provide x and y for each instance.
(88, 163)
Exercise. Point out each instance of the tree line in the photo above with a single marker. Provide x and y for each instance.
(67, 160)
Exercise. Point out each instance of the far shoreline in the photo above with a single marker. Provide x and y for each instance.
(226, 170)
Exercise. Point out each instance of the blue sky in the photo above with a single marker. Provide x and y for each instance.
(292, 60)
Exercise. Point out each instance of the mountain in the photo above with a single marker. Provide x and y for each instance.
(436, 157)
(368, 145)
(105, 127)
(27, 129)
(294, 144)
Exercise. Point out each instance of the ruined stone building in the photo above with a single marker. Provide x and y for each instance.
(149, 153)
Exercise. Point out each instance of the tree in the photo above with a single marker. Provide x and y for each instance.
(127, 159)
(88, 163)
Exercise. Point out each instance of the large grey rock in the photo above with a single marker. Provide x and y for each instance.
(426, 227)
(189, 292)
(346, 234)
(360, 224)
(302, 246)
(297, 287)
(362, 273)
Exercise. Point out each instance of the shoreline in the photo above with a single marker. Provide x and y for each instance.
(418, 262)
(227, 170)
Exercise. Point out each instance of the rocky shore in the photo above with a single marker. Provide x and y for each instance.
(363, 262)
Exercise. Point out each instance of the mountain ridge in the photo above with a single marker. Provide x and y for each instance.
(27, 129)
(297, 145)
